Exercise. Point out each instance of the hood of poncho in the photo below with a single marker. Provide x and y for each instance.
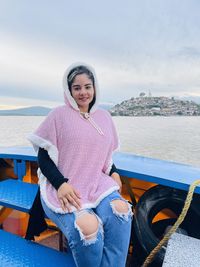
(67, 95)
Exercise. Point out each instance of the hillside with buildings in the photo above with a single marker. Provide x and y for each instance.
(155, 106)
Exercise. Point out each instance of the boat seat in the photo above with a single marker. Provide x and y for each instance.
(182, 251)
(16, 251)
(17, 194)
(20, 196)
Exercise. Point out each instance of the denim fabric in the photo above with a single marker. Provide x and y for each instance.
(109, 246)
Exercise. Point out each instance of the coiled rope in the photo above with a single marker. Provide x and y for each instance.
(173, 229)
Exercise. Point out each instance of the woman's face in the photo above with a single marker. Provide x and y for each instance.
(82, 91)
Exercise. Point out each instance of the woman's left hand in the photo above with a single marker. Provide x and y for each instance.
(117, 179)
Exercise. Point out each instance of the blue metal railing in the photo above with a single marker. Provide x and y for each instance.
(148, 169)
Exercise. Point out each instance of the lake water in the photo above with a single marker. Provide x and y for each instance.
(170, 138)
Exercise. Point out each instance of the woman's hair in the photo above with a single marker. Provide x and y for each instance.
(77, 71)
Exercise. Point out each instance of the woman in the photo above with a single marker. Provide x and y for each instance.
(79, 185)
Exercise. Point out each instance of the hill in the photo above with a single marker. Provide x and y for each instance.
(29, 111)
(36, 111)
(152, 106)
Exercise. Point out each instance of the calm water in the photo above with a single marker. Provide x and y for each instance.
(170, 138)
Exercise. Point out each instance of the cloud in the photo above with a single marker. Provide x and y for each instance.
(134, 46)
(189, 52)
(14, 102)
(28, 62)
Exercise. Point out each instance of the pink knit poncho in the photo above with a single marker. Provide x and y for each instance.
(82, 150)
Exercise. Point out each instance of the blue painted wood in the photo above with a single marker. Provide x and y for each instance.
(15, 167)
(19, 168)
(148, 169)
(19, 155)
(23, 153)
(17, 195)
(157, 171)
(18, 252)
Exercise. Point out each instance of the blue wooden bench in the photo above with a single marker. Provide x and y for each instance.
(18, 252)
(17, 194)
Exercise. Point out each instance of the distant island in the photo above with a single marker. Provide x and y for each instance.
(29, 111)
(155, 106)
(36, 111)
(136, 106)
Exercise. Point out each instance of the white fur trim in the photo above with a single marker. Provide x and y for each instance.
(43, 186)
(108, 169)
(38, 141)
(52, 150)
(85, 206)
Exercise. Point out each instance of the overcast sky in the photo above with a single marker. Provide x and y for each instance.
(135, 46)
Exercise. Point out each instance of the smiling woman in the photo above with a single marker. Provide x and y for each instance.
(80, 187)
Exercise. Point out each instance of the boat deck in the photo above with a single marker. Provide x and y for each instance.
(146, 170)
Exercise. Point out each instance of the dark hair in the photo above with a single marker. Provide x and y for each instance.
(77, 71)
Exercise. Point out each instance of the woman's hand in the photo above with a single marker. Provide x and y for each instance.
(68, 195)
(117, 179)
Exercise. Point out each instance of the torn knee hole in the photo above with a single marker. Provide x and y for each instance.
(120, 206)
(88, 225)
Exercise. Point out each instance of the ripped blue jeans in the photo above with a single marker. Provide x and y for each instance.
(108, 245)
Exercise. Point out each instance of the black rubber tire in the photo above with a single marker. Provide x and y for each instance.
(146, 234)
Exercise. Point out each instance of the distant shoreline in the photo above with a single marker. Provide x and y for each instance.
(37, 111)
(134, 107)
(22, 115)
(155, 106)
(40, 115)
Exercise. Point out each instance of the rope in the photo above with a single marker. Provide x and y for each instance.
(87, 117)
(173, 229)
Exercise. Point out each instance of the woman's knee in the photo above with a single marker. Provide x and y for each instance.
(121, 208)
(88, 224)
(120, 205)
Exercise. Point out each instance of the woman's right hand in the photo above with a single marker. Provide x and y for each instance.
(68, 195)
